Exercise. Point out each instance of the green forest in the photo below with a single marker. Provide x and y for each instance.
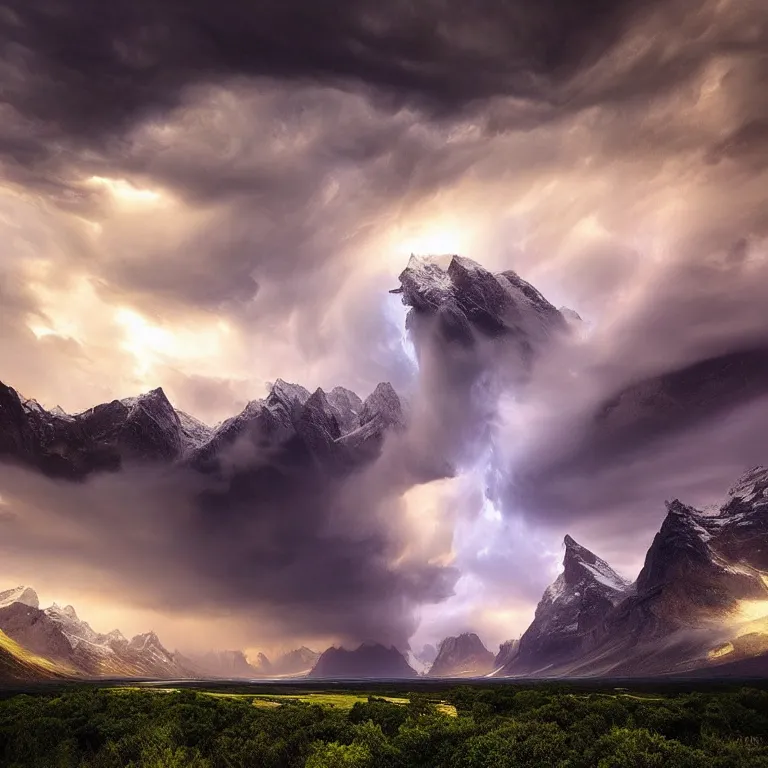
(461, 727)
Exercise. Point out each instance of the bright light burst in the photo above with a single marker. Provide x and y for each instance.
(125, 191)
(434, 238)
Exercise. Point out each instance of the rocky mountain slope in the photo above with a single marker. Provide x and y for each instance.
(700, 600)
(60, 637)
(462, 656)
(370, 660)
(19, 664)
(507, 651)
(23, 595)
(570, 608)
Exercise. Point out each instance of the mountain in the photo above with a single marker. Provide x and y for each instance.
(19, 664)
(295, 663)
(60, 637)
(34, 630)
(474, 332)
(462, 656)
(370, 660)
(55, 641)
(24, 595)
(144, 428)
(570, 608)
(507, 651)
(465, 299)
(700, 600)
(337, 431)
(150, 658)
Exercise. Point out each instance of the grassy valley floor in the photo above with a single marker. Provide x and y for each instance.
(385, 724)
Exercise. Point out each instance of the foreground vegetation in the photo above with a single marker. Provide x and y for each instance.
(463, 727)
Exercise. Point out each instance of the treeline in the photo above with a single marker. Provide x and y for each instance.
(494, 728)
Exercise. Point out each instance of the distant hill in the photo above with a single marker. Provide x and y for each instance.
(370, 660)
(462, 656)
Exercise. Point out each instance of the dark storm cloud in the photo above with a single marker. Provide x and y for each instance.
(95, 68)
(669, 404)
(296, 555)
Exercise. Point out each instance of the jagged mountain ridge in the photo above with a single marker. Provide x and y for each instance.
(478, 321)
(59, 636)
(462, 656)
(67, 645)
(337, 429)
(465, 297)
(682, 612)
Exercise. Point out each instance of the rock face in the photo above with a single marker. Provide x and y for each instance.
(369, 661)
(507, 651)
(23, 595)
(465, 300)
(336, 431)
(570, 609)
(36, 631)
(19, 664)
(462, 656)
(686, 609)
(59, 636)
(144, 428)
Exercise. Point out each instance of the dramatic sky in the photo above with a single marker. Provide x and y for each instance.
(206, 196)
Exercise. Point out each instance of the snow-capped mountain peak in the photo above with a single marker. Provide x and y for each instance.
(22, 594)
(571, 607)
(580, 564)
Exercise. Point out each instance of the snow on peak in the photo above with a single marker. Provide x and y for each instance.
(195, 432)
(32, 406)
(426, 278)
(116, 636)
(603, 573)
(752, 485)
(289, 393)
(579, 562)
(21, 594)
(556, 590)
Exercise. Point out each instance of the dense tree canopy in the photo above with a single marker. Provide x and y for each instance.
(503, 727)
